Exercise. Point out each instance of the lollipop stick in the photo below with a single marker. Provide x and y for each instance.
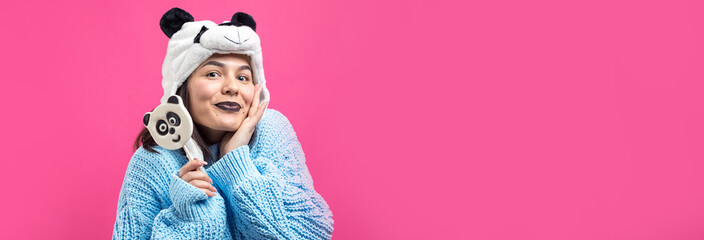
(190, 157)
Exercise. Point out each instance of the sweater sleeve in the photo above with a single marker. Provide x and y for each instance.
(273, 197)
(144, 211)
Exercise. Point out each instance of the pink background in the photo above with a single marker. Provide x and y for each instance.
(419, 119)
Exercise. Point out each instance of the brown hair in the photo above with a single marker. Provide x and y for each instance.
(145, 139)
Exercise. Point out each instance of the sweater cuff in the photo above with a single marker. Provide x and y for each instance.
(235, 166)
(188, 201)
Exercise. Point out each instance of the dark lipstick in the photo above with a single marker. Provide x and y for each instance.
(229, 106)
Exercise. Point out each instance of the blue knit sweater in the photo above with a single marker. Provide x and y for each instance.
(264, 192)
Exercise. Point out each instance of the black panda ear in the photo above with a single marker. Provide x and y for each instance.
(145, 119)
(244, 19)
(172, 21)
(173, 99)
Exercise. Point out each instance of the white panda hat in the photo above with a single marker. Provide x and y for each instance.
(192, 42)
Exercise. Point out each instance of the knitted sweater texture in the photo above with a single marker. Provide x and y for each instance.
(264, 192)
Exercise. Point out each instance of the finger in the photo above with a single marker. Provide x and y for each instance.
(255, 102)
(190, 166)
(208, 192)
(203, 185)
(260, 113)
(251, 121)
(196, 175)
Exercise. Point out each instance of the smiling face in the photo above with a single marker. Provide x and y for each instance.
(220, 93)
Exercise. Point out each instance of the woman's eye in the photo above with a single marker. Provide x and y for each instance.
(212, 74)
(243, 78)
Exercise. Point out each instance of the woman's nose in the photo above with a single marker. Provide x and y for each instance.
(231, 86)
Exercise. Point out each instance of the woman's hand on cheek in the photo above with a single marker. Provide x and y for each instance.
(241, 137)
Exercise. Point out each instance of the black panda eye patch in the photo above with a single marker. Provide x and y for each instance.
(173, 118)
(197, 38)
(161, 127)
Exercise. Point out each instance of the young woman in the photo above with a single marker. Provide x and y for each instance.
(254, 183)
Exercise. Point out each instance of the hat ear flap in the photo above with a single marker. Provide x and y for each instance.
(244, 19)
(172, 21)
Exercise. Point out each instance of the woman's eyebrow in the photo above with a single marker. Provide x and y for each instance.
(244, 67)
(222, 65)
(216, 63)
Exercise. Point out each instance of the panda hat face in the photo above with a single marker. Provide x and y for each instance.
(170, 124)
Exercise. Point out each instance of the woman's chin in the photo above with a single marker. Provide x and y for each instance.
(229, 127)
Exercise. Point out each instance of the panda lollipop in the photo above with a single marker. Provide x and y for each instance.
(171, 127)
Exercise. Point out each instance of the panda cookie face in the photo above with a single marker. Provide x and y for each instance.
(170, 124)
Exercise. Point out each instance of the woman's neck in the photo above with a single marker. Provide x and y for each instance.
(210, 136)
